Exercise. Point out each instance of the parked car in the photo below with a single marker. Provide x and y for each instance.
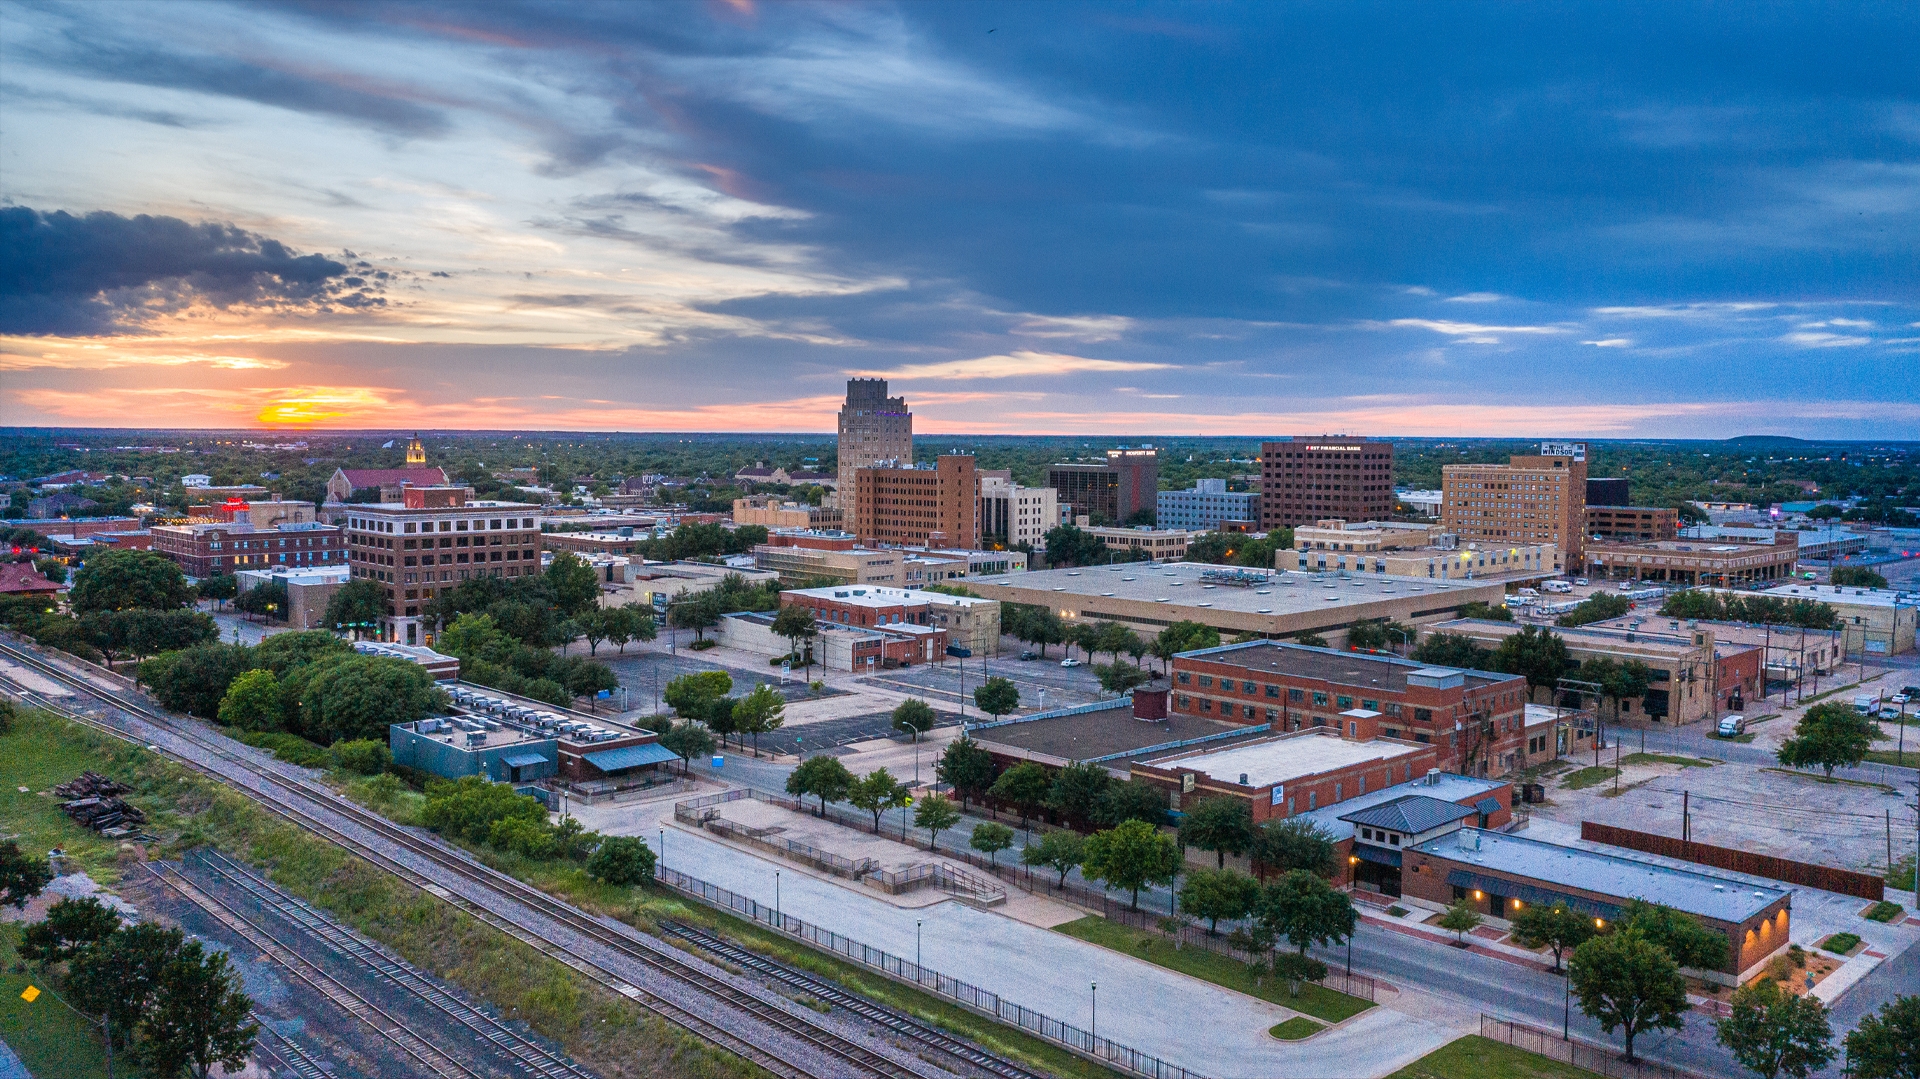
(1732, 726)
(1582, 581)
(1029, 654)
(1069, 662)
(1555, 586)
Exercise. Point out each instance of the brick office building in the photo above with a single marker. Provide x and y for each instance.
(1476, 720)
(970, 622)
(207, 548)
(1541, 499)
(1305, 479)
(919, 507)
(395, 543)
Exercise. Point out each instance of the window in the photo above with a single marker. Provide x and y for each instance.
(1423, 715)
(1296, 694)
(1186, 702)
(1344, 702)
(1393, 710)
(1372, 706)
(1206, 704)
(1366, 833)
(1274, 692)
(1246, 712)
(1319, 699)
(1249, 687)
(1313, 799)
(1393, 839)
(1206, 681)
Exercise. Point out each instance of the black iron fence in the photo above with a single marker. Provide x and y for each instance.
(1595, 1058)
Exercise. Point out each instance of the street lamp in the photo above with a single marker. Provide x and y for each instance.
(916, 943)
(778, 921)
(1094, 1025)
(663, 849)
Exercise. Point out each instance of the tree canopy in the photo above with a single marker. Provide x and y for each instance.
(1774, 1033)
(997, 696)
(1131, 855)
(1625, 981)
(119, 580)
(1829, 736)
(823, 777)
(1222, 825)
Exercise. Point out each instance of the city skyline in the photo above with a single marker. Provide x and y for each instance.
(1178, 221)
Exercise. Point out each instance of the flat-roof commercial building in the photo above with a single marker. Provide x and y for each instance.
(838, 647)
(1814, 544)
(1695, 676)
(1475, 720)
(1631, 524)
(1609, 491)
(1207, 507)
(1419, 503)
(804, 557)
(1310, 478)
(1787, 653)
(1502, 874)
(1159, 544)
(1113, 734)
(656, 584)
(1364, 537)
(1011, 514)
(1873, 621)
(1370, 830)
(1110, 491)
(511, 739)
(1531, 499)
(432, 539)
(772, 511)
(1290, 773)
(621, 541)
(260, 513)
(1693, 562)
(937, 506)
(308, 590)
(207, 548)
(970, 623)
(1411, 550)
(1150, 597)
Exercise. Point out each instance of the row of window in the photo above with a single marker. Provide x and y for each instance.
(369, 524)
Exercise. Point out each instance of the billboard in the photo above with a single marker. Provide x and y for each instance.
(1575, 450)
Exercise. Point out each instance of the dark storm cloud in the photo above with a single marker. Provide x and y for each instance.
(102, 273)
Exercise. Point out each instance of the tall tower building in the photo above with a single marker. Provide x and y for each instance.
(874, 429)
(416, 453)
(1312, 478)
(1538, 499)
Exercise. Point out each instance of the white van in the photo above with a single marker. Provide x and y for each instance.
(1732, 726)
(1867, 705)
(1555, 586)
(1527, 593)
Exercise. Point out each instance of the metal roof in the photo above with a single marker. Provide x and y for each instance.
(614, 760)
(521, 760)
(1412, 814)
(1446, 787)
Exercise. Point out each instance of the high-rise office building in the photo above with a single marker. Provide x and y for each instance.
(1312, 478)
(920, 507)
(1011, 514)
(1109, 491)
(1541, 499)
(874, 429)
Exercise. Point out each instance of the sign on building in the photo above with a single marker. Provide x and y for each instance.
(1575, 450)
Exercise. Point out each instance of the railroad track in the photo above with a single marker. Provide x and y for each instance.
(289, 1054)
(284, 791)
(834, 994)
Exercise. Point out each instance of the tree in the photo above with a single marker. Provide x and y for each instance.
(1829, 736)
(621, 859)
(362, 756)
(1487, 611)
(268, 600)
(21, 877)
(692, 695)
(1536, 654)
(253, 703)
(1183, 637)
(1293, 843)
(1379, 633)
(1060, 851)
(1076, 790)
(965, 767)
(583, 677)
(574, 585)
(1310, 640)
(594, 626)
(1886, 1044)
(1221, 825)
(762, 711)
(71, 925)
(354, 696)
(689, 740)
(468, 807)
(1595, 608)
(1070, 546)
(1304, 909)
(219, 588)
(1553, 927)
(1132, 799)
(1298, 967)
(1120, 677)
(629, 622)
(796, 624)
(913, 716)
(1131, 856)
(997, 697)
(1774, 1033)
(117, 978)
(876, 793)
(357, 606)
(1025, 786)
(1461, 919)
(195, 680)
(120, 580)
(1453, 650)
(823, 777)
(1624, 980)
(699, 613)
(200, 1016)
(990, 838)
(1214, 894)
(1681, 936)
(936, 813)
(1856, 577)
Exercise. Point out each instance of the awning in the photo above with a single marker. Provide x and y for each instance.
(522, 760)
(1530, 894)
(618, 760)
(1487, 805)
(1375, 854)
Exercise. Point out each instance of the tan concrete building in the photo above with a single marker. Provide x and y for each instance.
(772, 511)
(1790, 654)
(620, 541)
(1873, 621)
(1537, 499)
(1692, 562)
(1011, 514)
(1309, 478)
(1632, 524)
(1335, 534)
(936, 506)
(656, 584)
(874, 429)
(805, 558)
(1163, 544)
(1410, 550)
(1149, 598)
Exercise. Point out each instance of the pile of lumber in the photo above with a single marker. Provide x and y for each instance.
(91, 785)
(94, 800)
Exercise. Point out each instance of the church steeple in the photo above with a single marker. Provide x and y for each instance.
(416, 453)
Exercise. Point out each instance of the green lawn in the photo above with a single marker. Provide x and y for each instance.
(1223, 970)
(1909, 759)
(1589, 777)
(1743, 739)
(1666, 758)
(1296, 1028)
(47, 1036)
(1474, 1057)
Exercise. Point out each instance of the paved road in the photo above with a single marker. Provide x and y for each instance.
(645, 675)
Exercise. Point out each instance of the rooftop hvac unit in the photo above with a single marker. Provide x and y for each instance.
(475, 738)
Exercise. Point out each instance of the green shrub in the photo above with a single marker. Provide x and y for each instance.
(362, 756)
(469, 807)
(622, 859)
(1885, 911)
(1840, 943)
(289, 747)
(703, 644)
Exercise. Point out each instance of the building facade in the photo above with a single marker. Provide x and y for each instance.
(1110, 491)
(432, 539)
(1873, 621)
(772, 511)
(935, 506)
(208, 548)
(1609, 491)
(1537, 499)
(874, 428)
(1632, 524)
(1011, 514)
(1207, 507)
(1159, 544)
(1693, 563)
(308, 590)
(1306, 478)
(969, 622)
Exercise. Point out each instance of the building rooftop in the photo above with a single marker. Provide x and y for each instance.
(866, 595)
(1826, 593)
(1286, 757)
(1442, 786)
(1410, 814)
(1732, 633)
(1362, 670)
(1593, 635)
(1702, 894)
(301, 574)
(1107, 734)
(1196, 584)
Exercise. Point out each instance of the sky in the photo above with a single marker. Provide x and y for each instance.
(1551, 220)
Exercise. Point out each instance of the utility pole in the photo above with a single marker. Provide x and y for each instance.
(1686, 816)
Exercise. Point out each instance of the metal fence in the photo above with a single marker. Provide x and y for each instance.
(969, 996)
(1604, 1060)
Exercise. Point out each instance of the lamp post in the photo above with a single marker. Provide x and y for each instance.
(663, 849)
(777, 920)
(916, 943)
(1094, 1024)
(1566, 1010)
